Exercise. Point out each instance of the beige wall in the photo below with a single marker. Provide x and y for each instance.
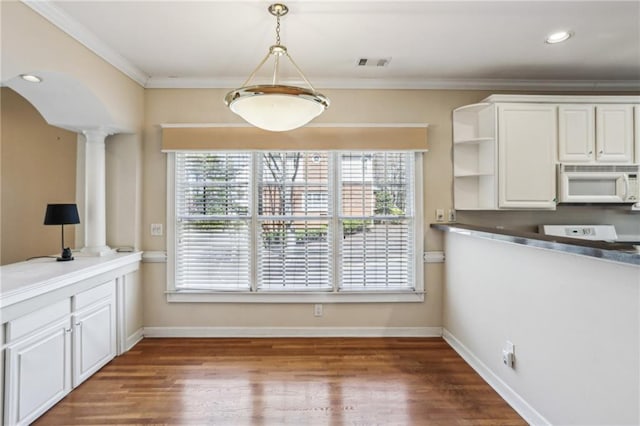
(31, 43)
(348, 106)
(124, 190)
(38, 167)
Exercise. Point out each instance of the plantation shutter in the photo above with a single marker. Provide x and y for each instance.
(212, 210)
(294, 210)
(376, 220)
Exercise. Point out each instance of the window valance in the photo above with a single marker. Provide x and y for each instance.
(405, 137)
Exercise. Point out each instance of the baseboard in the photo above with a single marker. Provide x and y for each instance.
(134, 338)
(292, 331)
(528, 413)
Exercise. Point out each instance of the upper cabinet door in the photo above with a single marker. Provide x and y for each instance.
(614, 133)
(576, 133)
(527, 143)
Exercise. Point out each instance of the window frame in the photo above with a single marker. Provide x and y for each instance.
(307, 296)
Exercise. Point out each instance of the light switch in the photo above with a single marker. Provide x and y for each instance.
(156, 229)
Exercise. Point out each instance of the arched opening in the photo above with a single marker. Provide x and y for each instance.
(40, 165)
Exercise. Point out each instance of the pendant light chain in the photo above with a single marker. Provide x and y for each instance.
(278, 29)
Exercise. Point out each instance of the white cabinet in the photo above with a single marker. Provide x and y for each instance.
(590, 133)
(504, 156)
(59, 327)
(576, 133)
(506, 148)
(53, 349)
(38, 363)
(94, 326)
(526, 156)
(614, 133)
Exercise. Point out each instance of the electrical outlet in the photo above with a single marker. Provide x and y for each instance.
(156, 229)
(508, 354)
(317, 310)
(452, 215)
(439, 215)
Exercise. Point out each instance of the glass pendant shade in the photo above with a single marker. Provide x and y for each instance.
(276, 107)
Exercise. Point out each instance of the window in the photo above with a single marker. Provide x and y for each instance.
(294, 226)
(294, 242)
(212, 221)
(377, 221)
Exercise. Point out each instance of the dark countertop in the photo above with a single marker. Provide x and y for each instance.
(615, 252)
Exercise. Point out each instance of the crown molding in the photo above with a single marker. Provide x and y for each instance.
(83, 35)
(443, 84)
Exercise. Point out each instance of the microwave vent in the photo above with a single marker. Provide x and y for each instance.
(600, 168)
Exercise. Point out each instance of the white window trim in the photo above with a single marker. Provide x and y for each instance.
(312, 296)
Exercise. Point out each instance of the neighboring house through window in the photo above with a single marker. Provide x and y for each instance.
(295, 226)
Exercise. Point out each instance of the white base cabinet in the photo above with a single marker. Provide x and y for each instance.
(54, 349)
(38, 373)
(61, 324)
(94, 338)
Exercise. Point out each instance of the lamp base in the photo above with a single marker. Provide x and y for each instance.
(65, 256)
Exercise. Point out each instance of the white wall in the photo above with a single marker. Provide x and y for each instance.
(573, 319)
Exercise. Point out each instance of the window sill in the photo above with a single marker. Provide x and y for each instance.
(316, 297)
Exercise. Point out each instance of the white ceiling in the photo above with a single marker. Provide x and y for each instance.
(449, 44)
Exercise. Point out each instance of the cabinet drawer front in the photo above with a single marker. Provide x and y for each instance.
(91, 296)
(36, 320)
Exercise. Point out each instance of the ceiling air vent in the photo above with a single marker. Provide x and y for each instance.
(373, 62)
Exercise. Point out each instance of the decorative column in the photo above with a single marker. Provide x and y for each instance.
(95, 223)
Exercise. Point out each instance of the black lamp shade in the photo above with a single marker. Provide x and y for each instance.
(61, 214)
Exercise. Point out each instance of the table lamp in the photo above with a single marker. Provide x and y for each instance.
(62, 214)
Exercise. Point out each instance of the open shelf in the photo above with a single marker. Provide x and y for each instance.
(474, 141)
(474, 157)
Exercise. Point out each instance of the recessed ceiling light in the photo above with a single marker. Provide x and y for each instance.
(558, 37)
(31, 78)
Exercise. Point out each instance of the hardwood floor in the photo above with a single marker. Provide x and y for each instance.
(297, 381)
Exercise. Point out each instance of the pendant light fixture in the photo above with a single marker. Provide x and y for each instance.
(274, 106)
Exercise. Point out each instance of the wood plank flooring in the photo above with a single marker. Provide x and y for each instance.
(296, 381)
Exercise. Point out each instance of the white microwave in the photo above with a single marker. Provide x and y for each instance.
(594, 183)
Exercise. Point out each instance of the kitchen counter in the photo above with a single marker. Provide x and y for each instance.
(614, 252)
